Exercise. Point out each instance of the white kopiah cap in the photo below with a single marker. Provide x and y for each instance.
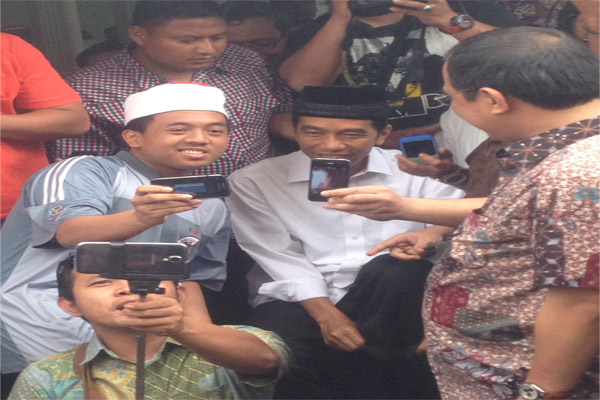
(175, 96)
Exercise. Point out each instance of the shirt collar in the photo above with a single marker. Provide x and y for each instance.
(96, 346)
(300, 166)
(137, 164)
(528, 152)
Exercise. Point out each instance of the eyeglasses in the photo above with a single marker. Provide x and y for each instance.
(444, 99)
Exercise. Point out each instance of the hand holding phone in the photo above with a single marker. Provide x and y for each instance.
(200, 186)
(325, 174)
(412, 146)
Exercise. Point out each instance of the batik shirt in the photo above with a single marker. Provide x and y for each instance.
(173, 373)
(538, 229)
(251, 98)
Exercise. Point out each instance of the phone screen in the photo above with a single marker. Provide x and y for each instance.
(202, 186)
(414, 148)
(327, 174)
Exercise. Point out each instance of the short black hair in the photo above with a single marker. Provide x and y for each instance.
(149, 13)
(140, 124)
(241, 10)
(542, 66)
(64, 277)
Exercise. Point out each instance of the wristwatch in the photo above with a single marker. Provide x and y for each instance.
(529, 391)
(460, 23)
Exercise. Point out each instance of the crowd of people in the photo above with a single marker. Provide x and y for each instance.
(466, 275)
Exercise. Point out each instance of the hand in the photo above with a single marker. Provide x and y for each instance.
(379, 203)
(341, 333)
(439, 16)
(159, 315)
(341, 10)
(391, 141)
(410, 245)
(153, 204)
(435, 167)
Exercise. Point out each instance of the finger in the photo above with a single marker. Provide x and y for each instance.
(388, 244)
(445, 154)
(353, 190)
(401, 255)
(145, 189)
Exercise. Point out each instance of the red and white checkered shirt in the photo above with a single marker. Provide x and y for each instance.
(252, 96)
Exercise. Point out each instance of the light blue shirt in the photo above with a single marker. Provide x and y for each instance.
(33, 326)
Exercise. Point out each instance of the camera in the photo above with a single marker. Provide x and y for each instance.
(144, 265)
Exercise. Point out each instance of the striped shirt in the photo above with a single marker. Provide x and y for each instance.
(252, 96)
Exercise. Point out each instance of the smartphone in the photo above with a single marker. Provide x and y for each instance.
(325, 174)
(133, 260)
(412, 146)
(200, 186)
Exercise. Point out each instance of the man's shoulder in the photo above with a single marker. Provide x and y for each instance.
(110, 75)
(270, 167)
(580, 158)
(57, 366)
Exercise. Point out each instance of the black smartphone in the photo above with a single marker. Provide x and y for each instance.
(200, 186)
(133, 260)
(325, 174)
(412, 146)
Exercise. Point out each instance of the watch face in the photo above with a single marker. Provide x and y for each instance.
(463, 21)
(529, 392)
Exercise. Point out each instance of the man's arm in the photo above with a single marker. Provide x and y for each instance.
(281, 125)
(227, 347)
(70, 120)
(319, 63)
(439, 16)
(382, 204)
(566, 338)
(152, 206)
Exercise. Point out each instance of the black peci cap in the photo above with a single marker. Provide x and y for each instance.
(346, 102)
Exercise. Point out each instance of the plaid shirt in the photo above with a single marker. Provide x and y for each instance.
(252, 97)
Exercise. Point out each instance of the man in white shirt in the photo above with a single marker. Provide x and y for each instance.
(316, 283)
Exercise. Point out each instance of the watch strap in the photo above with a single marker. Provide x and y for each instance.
(453, 29)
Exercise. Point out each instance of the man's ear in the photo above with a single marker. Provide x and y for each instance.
(132, 138)
(137, 34)
(383, 134)
(69, 306)
(495, 99)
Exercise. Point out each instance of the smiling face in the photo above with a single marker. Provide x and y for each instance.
(180, 45)
(101, 300)
(177, 142)
(350, 139)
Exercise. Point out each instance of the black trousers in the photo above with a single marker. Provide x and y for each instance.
(385, 302)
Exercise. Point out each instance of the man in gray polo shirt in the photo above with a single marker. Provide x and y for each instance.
(110, 199)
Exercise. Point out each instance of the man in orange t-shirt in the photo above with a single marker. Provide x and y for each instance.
(36, 105)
